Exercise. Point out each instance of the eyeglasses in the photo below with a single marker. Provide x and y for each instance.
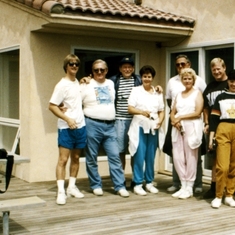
(99, 70)
(72, 64)
(180, 64)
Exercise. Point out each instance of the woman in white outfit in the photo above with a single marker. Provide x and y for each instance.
(186, 132)
(147, 106)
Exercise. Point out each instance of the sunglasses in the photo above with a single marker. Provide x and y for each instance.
(72, 64)
(99, 70)
(180, 64)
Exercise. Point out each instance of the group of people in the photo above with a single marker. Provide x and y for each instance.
(185, 139)
(125, 113)
(97, 113)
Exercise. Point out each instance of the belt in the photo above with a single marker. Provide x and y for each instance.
(103, 121)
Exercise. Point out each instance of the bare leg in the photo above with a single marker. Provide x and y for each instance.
(74, 164)
(62, 161)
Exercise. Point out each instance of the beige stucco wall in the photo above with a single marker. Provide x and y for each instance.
(214, 18)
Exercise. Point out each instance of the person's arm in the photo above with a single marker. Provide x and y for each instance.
(206, 120)
(174, 121)
(58, 113)
(161, 116)
(134, 111)
(211, 137)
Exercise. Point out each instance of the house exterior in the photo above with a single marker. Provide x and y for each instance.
(40, 33)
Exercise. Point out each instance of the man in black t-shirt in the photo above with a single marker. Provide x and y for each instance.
(213, 89)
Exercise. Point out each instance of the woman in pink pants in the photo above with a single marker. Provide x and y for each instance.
(186, 132)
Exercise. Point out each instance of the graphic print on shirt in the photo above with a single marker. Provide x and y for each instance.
(103, 95)
(231, 112)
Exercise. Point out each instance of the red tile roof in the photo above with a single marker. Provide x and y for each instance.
(107, 8)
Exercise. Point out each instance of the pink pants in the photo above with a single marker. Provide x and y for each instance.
(185, 159)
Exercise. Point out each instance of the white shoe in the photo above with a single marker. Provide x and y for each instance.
(216, 203)
(178, 193)
(229, 201)
(61, 198)
(98, 191)
(75, 192)
(123, 193)
(139, 190)
(150, 188)
(185, 194)
(172, 189)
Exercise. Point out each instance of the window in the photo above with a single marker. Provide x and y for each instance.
(112, 58)
(9, 100)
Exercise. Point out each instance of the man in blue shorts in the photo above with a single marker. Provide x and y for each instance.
(71, 127)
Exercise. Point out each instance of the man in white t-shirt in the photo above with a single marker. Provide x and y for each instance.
(175, 86)
(98, 106)
(71, 127)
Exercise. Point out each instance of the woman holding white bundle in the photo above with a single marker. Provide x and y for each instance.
(147, 106)
(186, 132)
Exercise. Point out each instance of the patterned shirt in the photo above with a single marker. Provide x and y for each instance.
(123, 94)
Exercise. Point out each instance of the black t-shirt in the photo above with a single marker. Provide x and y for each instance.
(212, 90)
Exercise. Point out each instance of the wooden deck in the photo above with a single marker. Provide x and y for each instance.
(111, 214)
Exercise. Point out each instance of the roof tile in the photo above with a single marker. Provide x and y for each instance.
(113, 7)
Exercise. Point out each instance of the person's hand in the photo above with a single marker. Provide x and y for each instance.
(158, 89)
(145, 113)
(63, 108)
(206, 129)
(158, 126)
(85, 80)
(175, 121)
(210, 145)
(71, 123)
(178, 126)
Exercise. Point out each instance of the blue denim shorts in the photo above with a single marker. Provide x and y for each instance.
(122, 128)
(72, 138)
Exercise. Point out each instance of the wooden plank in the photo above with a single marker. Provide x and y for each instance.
(21, 203)
(110, 214)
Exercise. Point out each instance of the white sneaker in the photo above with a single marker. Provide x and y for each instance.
(178, 193)
(216, 203)
(75, 192)
(172, 189)
(139, 190)
(123, 193)
(150, 188)
(98, 191)
(61, 198)
(229, 201)
(185, 194)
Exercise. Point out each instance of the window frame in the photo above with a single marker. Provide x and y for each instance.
(10, 122)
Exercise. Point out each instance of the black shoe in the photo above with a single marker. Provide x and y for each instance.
(209, 194)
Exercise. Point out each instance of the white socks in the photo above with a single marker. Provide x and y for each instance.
(60, 185)
(72, 181)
